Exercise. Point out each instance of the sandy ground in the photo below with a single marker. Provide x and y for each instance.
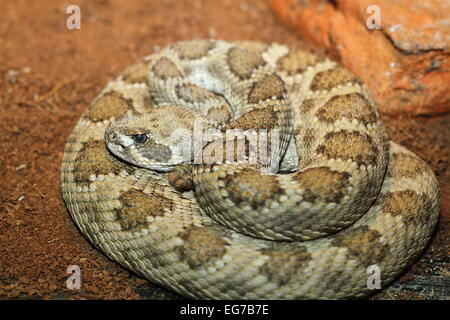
(49, 74)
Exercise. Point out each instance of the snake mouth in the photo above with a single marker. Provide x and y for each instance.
(117, 145)
(117, 149)
(117, 142)
(119, 152)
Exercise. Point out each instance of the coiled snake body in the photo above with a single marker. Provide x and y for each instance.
(348, 200)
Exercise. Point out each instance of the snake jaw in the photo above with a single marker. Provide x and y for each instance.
(116, 142)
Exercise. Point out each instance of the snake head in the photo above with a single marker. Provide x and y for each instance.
(158, 140)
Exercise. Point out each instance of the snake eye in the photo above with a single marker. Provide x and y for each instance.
(139, 138)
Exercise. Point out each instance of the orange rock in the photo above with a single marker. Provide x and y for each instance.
(405, 61)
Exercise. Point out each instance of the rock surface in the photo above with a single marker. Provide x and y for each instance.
(405, 59)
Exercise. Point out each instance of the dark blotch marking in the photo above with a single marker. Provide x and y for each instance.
(256, 47)
(352, 145)
(363, 244)
(284, 264)
(201, 247)
(307, 105)
(407, 166)
(413, 207)
(270, 86)
(164, 68)
(111, 104)
(308, 137)
(181, 178)
(242, 62)
(327, 80)
(322, 184)
(136, 73)
(136, 206)
(297, 61)
(350, 106)
(192, 93)
(249, 186)
(258, 118)
(221, 114)
(196, 49)
(95, 158)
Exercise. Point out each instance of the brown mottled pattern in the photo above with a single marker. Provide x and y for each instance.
(220, 114)
(404, 203)
(350, 106)
(284, 264)
(256, 47)
(201, 247)
(94, 158)
(192, 93)
(270, 86)
(295, 62)
(243, 62)
(136, 206)
(407, 166)
(322, 183)
(136, 73)
(363, 244)
(242, 187)
(307, 105)
(181, 178)
(193, 242)
(327, 80)
(349, 145)
(308, 138)
(110, 105)
(260, 118)
(165, 69)
(193, 49)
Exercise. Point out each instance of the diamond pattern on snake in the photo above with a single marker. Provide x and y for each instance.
(333, 197)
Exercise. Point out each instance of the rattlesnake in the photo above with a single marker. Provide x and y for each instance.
(357, 202)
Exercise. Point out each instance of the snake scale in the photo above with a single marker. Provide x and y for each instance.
(345, 198)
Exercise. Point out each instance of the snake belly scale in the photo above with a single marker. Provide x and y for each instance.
(349, 198)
